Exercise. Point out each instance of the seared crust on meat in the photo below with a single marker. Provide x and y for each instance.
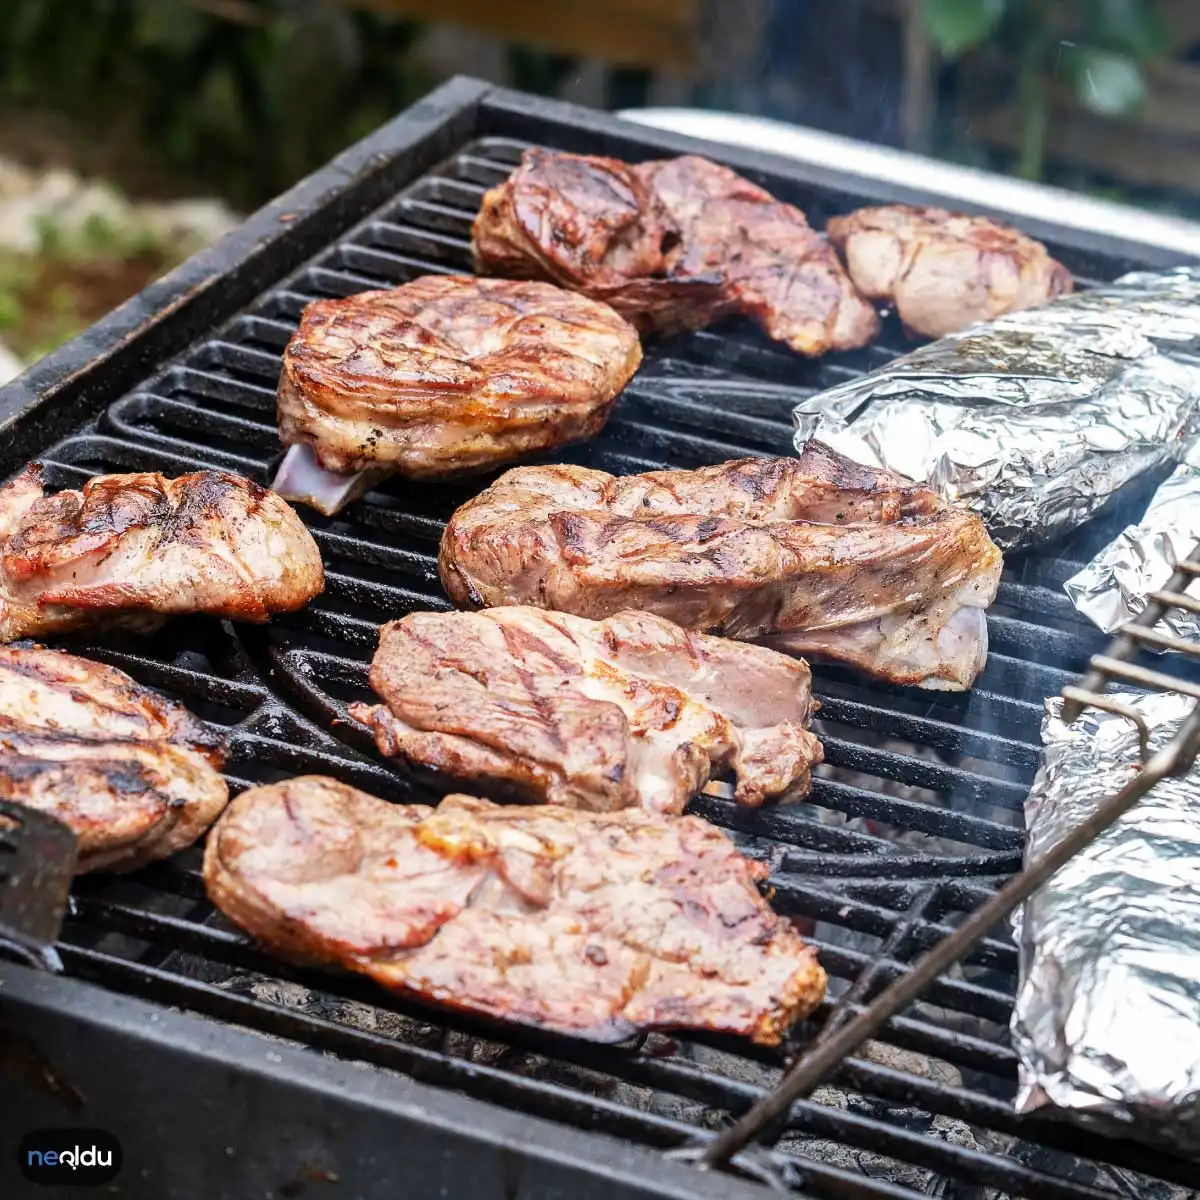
(595, 925)
(598, 715)
(451, 374)
(134, 775)
(132, 549)
(818, 553)
(672, 244)
(942, 270)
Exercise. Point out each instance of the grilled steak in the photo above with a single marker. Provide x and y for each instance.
(673, 244)
(819, 554)
(597, 925)
(945, 271)
(598, 715)
(133, 774)
(133, 549)
(445, 375)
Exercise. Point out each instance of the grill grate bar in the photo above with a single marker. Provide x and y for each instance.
(671, 1075)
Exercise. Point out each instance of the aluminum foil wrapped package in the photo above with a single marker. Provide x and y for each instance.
(1115, 585)
(1037, 418)
(1107, 1019)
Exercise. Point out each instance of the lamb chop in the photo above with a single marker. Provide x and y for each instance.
(130, 550)
(942, 270)
(817, 555)
(598, 715)
(134, 775)
(444, 376)
(596, 925)
(673, 244)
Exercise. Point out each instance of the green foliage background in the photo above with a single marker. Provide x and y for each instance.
(245, 95)
(1098, 47)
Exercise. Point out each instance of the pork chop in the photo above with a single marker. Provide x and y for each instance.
(134, 775)
(942, 270)
(596, 925)
(133, 549)
(673, 244)
(818, 554)
(444, 376)
(599, 715)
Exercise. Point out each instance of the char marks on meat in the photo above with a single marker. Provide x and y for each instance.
(450, 374)
(597, 925)
(597, 715)
(818, 554)
(133, 549)
(673, 244)
(942, 270)
(134, 775)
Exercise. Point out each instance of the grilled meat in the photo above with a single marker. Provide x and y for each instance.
(598, 715)
(818, 554)
(448, 374)
(133, 774)
(942, 270)
(133, 549)
(597, 925)
(673, 244)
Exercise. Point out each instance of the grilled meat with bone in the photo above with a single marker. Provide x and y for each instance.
(597, 925)
(942, 270)
(134, 775)
(673, 244)
(133, 549)
(817, 553)
(598, 715)
(445, 375)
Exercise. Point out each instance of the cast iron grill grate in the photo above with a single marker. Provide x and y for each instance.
(915, 821)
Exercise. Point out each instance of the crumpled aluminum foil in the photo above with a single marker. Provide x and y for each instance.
(1114, 586)
(1107, 1019)
(1037, 418)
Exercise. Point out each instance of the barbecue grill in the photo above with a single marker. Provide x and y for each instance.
(224, 1072)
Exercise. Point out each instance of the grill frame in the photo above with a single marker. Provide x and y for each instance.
(62, 1017)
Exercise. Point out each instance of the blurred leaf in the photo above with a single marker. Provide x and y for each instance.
(1134, 26)
(1108, 83)
(170, 25)
(238, 96)
(11, 309)
(957, 25)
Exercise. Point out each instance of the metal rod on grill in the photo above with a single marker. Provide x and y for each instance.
(1174, 759)
(1129, 639)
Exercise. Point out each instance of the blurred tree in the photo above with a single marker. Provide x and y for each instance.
(1099, 46)
(245, 94)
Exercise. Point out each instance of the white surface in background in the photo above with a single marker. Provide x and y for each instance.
(10, 365)
(954, 183)
(31, 199)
